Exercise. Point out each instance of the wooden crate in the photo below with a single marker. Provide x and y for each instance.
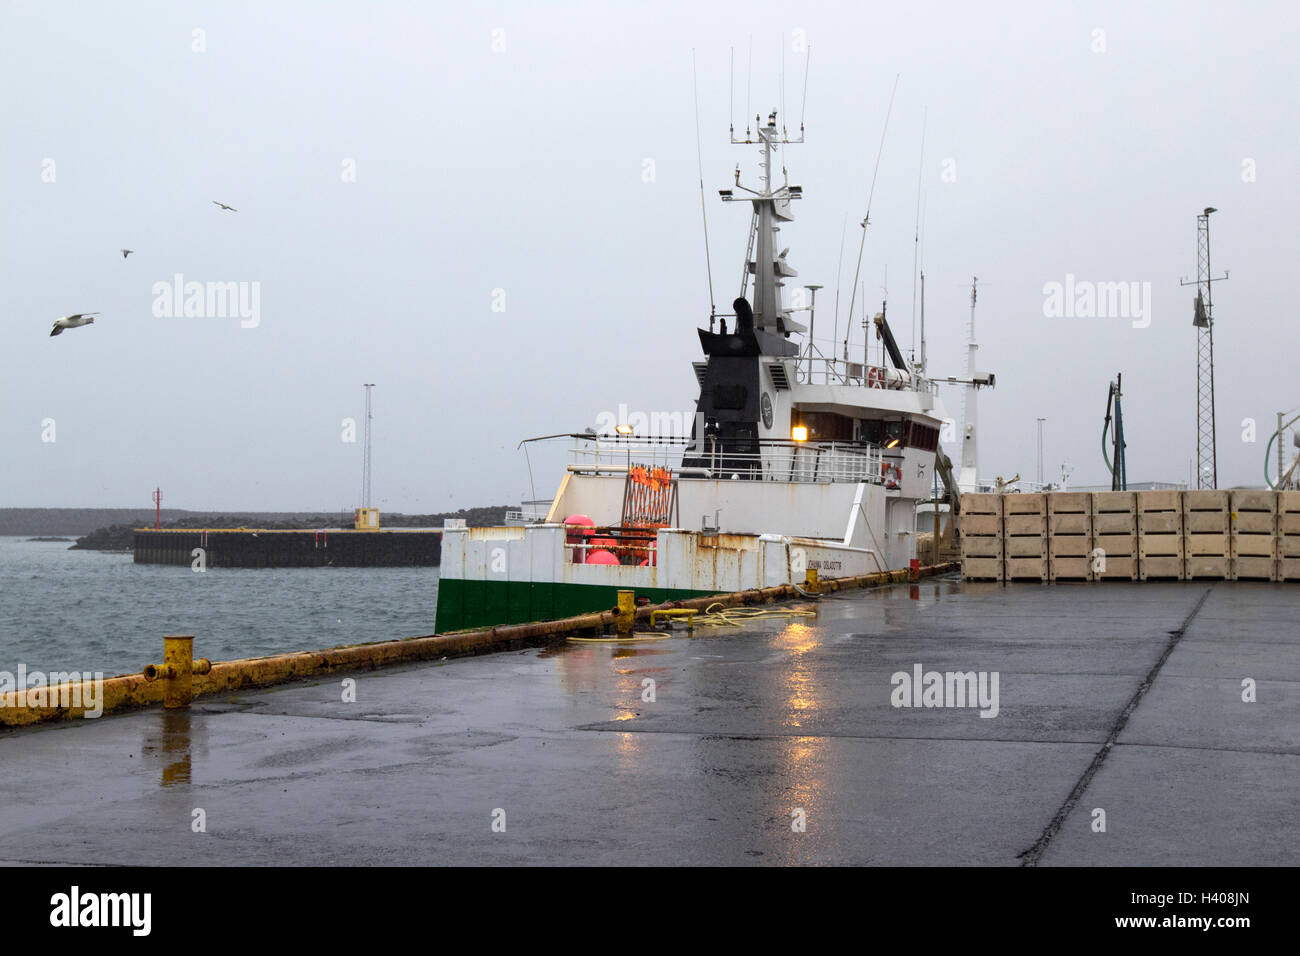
(1160, 546)
(975, 525)
(1118, 568)
(1069, 502)
(1070, 569)
(1210, 545)
(981, 569)
(1025, 569)
(1253, 545)
(1208, 500)
(1114, 522)
(1253, 569)
(1161, 567)
(1032, 503)
(1070, 523)
(1112, 502)
(1025, 546)
(981, 504)
(1116, 545)
(1024, 524)
(1069, 546)
(1206, 545)
(1157, 501)
(1288, 535)
(1253, 522)
(1242, 499)
(1205, 522)
(1160, 522)
(981, 546)
(1205, 566)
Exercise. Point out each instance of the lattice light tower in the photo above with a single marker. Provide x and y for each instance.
(1207, 469)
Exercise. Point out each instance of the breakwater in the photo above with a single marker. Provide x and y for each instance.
(263, 548)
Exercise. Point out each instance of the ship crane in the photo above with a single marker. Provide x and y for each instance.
(1116, 466)
(1290, 478)
(942, 463)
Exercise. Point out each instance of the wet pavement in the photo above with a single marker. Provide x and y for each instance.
(752, 732)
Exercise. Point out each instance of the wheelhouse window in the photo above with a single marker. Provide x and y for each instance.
(825, 426)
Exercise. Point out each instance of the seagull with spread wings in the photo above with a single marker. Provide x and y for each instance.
(72, 322)
(224, 206)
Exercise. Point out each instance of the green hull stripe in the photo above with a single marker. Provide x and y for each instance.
(463, 604)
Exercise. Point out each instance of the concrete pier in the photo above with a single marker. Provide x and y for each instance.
(1128, 699)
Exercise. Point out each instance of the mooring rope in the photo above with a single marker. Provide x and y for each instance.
(740, 616)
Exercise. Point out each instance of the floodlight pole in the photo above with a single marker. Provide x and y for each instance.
(1207, 469)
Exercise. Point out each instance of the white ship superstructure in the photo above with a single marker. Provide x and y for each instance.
(794, 461)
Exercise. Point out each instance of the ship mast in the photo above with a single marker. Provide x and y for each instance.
(969, 477)
(771, 207)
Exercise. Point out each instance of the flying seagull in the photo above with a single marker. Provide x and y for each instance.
(224, 206)
(127, 252)
(72, 322)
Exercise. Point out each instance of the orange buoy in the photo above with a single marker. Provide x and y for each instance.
(576, 528)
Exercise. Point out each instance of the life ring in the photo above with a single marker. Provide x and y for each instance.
(875, 377)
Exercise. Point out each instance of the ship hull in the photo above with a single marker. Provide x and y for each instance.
(494, 576)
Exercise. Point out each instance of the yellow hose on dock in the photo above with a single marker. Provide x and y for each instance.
(740, 616)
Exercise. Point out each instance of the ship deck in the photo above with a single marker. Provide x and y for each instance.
(1120, 697)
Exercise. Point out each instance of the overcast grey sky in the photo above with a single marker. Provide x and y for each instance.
(1075, 152)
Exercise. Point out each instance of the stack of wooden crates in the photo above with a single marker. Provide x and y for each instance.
(1288, 536)
(1130, 536)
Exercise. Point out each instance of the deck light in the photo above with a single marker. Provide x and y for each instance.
(623, 429)
(892, 443)
(799, 433)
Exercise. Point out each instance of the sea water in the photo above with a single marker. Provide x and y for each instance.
(97, 611)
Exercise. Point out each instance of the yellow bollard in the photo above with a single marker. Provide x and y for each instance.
(178, 670)
(810, 580)
(626, 613)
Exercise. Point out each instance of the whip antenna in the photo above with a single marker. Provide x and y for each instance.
(804, 107)
(699, 159)
(749, 79)
(866, 219)
(916, 238)
(839, 272)
(731, 101)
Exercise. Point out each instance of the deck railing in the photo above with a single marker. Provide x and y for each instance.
(774, 461)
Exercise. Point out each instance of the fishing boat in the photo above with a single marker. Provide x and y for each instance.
(794, 461)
